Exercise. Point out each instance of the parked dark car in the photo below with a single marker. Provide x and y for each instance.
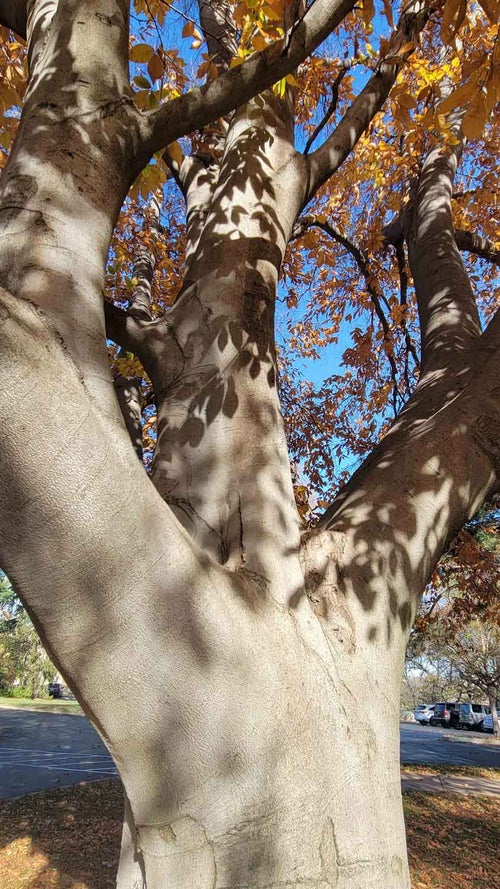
(446, 713)
(55, 689)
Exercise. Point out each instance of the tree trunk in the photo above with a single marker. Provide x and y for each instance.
(263, 751)
(492, 698)
(265, 787)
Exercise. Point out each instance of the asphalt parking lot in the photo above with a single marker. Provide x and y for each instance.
(445, 746)
(41, 751)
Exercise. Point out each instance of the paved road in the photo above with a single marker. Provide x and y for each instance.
(40, 751)
(427, 744)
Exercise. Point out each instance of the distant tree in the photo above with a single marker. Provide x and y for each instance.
(474, 653)
(23, 659)
(429, 678)
(456, 632)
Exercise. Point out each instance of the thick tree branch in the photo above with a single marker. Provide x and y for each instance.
(402, 507)
(474, 243)
(235, 87)
(144, 266)
(216, 21)
(124, 329)
(449, 319)
(128, 392)
(327, 159)
(403, 296)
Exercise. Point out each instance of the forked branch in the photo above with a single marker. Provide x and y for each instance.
(324, 162)
(232, 88)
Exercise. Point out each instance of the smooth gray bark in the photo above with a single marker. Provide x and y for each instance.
(266, 751)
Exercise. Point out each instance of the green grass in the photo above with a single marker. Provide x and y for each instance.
(46, 705)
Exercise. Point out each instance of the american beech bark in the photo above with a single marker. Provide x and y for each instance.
(264, 750)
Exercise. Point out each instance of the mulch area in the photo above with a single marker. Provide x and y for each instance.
(453, 841)
(70, 839)
(62, 839)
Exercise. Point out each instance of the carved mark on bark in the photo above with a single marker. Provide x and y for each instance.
(175, 849)
(321, 555)
(329, 855)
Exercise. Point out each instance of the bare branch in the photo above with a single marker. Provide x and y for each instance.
(237, 85)
(328, 158)
(362, 261)
(332, 106)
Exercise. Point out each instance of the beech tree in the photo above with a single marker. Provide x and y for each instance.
(243, 670)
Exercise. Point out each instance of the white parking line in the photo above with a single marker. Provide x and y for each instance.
(50, 752)
(110, 771)
(57, 761)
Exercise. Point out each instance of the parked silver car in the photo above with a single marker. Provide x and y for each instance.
(488, 722)
(423, 713)
(472, 716)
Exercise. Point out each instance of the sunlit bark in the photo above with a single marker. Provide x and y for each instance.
(266, 750)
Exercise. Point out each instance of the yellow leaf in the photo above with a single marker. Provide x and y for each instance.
(474, 121)
(155, 67)
(459, 97)
(279, 88)
(271, 13)
(258, 42)
(175, 152)
(141, 52)
(406, 100)
(453, 16)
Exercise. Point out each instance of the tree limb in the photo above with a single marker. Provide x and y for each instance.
(399, 511)
(449, 319)
(327, 159)
(123, 329)
(474, 243)
(332, 106)
(218, 29)
(237, 85)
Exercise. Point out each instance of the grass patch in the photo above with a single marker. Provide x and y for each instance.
(46, 705)
(70, 839)
(437, 769)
